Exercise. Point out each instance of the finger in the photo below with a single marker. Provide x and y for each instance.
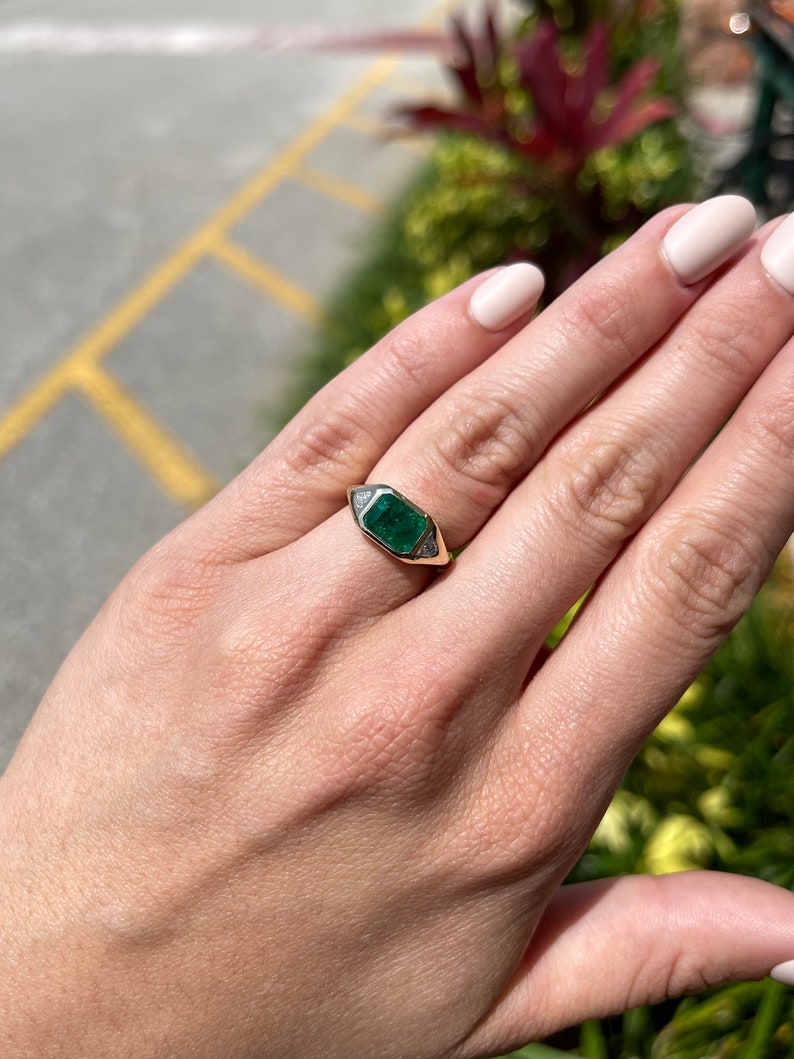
(462, 456)
(302, 477)
(467, 452)
(663, 608)
(606, 475)
(605, 947)
(618, 311)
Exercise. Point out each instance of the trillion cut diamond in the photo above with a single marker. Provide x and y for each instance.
(429, 549)
(362, 498)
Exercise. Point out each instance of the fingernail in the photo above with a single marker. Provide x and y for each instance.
(784, 972)
(708, 236)
(504, 297)
(777, 256)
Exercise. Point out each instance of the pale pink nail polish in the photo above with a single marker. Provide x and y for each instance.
(708, 236)
(777, 256)
(505, 296)
(784, 972)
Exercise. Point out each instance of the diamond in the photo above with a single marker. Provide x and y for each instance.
(429, 549)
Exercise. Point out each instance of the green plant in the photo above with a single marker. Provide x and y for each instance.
(478, 202)
(567, 148)
(712, 788)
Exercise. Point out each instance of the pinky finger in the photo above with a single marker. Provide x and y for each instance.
(606, 947)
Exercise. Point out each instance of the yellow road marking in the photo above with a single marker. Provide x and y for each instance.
(178, 472)
(267, 279)
(367, 124)
(394, 135)
(293, 154)
(337, 189)
(25, 414)
(78, 366)
(28, 412)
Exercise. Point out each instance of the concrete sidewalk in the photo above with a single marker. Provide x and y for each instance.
(170, 227)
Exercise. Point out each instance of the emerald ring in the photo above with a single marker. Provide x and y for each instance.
(398, 526)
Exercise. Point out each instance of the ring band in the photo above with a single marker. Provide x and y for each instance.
(397, 525)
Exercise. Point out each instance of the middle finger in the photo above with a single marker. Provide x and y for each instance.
(602, 479)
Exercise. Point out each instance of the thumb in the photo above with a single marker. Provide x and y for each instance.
(604, 947)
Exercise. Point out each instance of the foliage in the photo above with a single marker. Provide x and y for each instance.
(465, 212)
(524, 94)
(712, 789)
(556, 122)
(480, 202)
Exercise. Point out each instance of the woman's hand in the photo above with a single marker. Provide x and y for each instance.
(291, 798)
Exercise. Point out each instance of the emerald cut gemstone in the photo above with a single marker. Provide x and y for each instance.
(395, 523)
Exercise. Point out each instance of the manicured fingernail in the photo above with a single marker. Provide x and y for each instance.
(510, 293)
(784, 972)
(708, 236)
(777, 256)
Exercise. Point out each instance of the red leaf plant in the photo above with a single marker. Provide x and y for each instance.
(572, 108)
(549, 98)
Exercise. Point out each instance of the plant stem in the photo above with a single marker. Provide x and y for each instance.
(764, 1023)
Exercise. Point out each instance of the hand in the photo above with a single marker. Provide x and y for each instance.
(291, 798)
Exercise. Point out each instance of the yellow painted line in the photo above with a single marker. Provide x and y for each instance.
(294, 153)
(40, 399)
(267, 279)
(179, 473)
(25, 414)
(412, 89)
(366, 124)
(29, 411)
(389, 135)
(412, 142)
(337, 189)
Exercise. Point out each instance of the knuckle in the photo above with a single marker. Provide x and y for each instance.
(727, 341)
(374, 749)
(487, 443)
(504, 837)
(606, 313)
(332, 443)
(170, 591)
(772, 430)
(495, 851)
(396, 737)
(404, 353)
(709, 571)
(604, 491)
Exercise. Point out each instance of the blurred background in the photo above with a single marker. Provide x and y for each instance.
(177, 204)
(205, 217)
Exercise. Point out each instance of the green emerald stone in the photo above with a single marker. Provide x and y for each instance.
(395, 524)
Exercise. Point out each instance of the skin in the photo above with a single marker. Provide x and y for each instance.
(290, 798)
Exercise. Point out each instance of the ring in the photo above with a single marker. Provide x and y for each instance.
(398, 526)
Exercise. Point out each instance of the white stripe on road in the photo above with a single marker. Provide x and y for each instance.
(25, 38)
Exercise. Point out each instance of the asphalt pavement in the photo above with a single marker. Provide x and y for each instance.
(170, 226)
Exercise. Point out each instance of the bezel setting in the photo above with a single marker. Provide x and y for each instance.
(397, 525)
